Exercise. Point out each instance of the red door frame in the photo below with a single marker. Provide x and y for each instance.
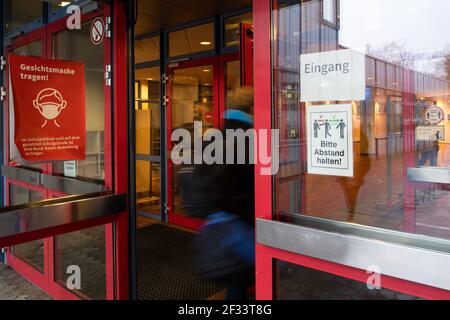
(46, 279)
(219, 97)
(265, 256)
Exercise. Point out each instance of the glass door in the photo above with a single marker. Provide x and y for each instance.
(193, 98)
(148, 141)
(94, 244)
(45, 262)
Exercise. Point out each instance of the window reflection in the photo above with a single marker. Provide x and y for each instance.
(404, 78)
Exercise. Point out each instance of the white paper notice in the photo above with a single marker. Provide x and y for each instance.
(330, 140)
(70, 169)
(430, 133)
(333, 76)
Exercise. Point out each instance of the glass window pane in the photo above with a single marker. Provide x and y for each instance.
(22, 12)
(329, 11)
(148, 111)
(76, 45)
(191, 40)
(232, 28)
(148, 187)
(31, 252)
(400, 126)
(85, 250)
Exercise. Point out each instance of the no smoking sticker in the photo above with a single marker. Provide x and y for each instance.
(97, 31)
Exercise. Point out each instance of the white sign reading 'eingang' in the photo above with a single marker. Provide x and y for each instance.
(333, 76)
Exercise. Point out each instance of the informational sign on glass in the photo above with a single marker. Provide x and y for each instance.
(330, 140)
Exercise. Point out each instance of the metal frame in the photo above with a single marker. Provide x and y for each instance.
(411, 263)
(33, 221)
(152, 159)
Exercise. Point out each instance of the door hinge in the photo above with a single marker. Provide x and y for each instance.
(108, 75)
(108, 27)
(2, 94)
(2, 63)
(165, 78)
(166, 100)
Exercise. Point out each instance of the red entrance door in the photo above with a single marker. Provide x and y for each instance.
(197, 91)
(45, 262)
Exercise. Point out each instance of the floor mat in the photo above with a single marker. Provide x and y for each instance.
(166, 270)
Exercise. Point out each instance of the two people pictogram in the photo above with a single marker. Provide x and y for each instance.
(328, 128)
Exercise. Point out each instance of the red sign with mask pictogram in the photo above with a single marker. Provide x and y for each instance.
(49, 108)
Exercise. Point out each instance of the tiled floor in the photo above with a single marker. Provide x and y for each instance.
(14, 287)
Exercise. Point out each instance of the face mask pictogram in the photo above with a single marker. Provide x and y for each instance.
(50, 103)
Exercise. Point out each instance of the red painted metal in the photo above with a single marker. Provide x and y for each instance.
(387, 282)
(263, 191)
(263, 120)
(120, 145)
(246, 55)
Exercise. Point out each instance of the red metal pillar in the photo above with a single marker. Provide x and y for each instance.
(263, 120)
(120, 143)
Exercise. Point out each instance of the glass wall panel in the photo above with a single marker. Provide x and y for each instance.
(148, 187)
(399, 114)
(76, 45)
(148, 113)
(148, 139)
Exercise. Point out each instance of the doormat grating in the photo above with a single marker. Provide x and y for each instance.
(166, 270)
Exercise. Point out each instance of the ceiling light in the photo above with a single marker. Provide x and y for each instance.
(206, 70)
(207, 84)
(64, 3)
(205, 43)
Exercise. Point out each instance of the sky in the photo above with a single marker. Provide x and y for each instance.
(424, 25)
